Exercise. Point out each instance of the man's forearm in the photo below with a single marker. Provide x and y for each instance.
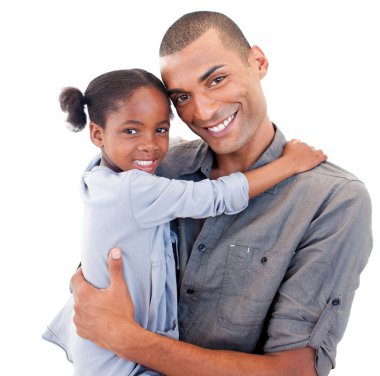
(171, 357)
(106, 317)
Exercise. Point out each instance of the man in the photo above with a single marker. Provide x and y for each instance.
(265, 292)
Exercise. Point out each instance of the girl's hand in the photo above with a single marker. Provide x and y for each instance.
(302, 157)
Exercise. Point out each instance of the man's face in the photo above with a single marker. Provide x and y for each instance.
(216, 93)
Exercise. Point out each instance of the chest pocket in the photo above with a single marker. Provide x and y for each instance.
(251, 280)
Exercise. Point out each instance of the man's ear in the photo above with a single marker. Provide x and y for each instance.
(257, 57)
(96, 134)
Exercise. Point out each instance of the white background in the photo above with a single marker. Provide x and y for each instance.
(322, 86)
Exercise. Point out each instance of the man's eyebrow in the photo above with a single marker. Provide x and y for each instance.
(202, 78)
(209, 72)
(174, 91)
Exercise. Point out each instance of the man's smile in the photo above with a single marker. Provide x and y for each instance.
(223, 127)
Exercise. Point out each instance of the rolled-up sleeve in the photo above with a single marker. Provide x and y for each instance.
(314, 300)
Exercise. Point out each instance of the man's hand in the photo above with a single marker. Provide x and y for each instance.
(104, 316)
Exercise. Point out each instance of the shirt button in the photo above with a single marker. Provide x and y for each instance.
(264, 260)
(201, 247)
(190, 291)
(335, 301)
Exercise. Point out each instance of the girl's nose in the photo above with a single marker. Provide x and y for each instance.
(148, 144)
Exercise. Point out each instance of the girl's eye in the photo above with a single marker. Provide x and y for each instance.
(130, 131)
(162, 130)
(217, 80)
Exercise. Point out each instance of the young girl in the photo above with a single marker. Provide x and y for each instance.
(126, 206)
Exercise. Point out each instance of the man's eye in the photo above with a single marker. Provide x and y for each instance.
(181, 99)
(130, 131)
(217, 80)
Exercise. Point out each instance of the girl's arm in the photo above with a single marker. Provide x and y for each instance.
(297, 157)
(156, 200)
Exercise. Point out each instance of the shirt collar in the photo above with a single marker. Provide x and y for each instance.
(274, 151)
(190, 158)
(199, 157)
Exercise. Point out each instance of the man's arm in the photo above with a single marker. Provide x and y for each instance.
(106, 317)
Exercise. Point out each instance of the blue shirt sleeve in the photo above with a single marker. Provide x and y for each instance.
(156, 200)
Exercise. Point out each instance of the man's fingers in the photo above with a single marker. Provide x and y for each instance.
(115, 266)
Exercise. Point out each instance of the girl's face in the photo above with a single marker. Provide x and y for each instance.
(136, 136)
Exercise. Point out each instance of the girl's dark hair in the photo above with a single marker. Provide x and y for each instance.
(103, 95)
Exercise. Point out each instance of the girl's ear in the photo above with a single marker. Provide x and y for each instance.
(96, 134)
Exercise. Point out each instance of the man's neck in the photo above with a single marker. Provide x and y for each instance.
(243, 159)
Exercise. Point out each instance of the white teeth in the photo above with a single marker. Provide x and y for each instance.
(143, 163)
(223, 125)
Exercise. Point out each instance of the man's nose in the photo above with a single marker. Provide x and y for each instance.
(204, 108)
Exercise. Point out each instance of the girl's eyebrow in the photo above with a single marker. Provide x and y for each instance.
(202, 78)
(130, 121)
(137, 122)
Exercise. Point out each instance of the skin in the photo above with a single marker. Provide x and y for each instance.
(221, 85)
(137, 135)
(208, 85)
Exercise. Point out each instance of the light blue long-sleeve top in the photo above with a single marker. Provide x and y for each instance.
(132, 210)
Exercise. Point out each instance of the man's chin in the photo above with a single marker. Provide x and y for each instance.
(224, 147)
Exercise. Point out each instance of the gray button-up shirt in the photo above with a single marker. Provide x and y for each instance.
(281, 274)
